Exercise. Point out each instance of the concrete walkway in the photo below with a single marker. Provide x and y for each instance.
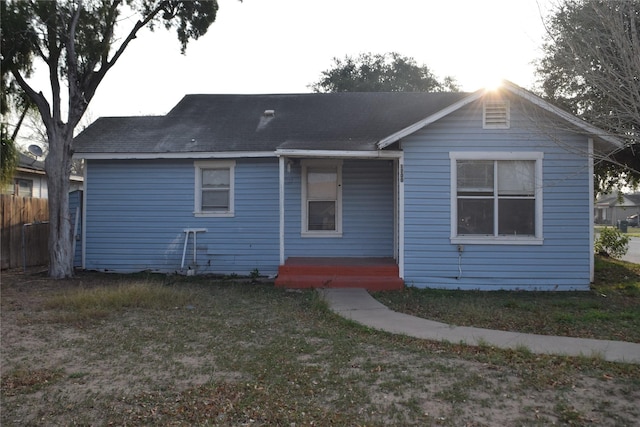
(359, 306)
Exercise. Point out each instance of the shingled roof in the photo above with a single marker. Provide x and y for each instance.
(256, 123)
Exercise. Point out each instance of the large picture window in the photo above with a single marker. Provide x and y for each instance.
(214, 188)
(322, 199)
(496, 197)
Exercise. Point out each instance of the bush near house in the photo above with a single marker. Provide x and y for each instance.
(611, 242)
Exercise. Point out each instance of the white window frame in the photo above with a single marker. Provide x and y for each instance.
(218, 164)
(311, 164)
(507, 107)
(496, 239)
(16, 187)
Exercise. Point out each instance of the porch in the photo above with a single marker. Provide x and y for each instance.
(371, 273)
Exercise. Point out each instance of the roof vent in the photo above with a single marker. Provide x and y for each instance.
(269, 113)
(496, 115)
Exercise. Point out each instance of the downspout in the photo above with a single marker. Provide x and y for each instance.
(83, 236)
(591, 213)
(400, 231)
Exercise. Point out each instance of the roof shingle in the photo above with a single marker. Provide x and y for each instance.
(234, 123)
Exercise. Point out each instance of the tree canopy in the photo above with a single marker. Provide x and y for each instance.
(388, 72)
(77, 42)
(591, 67)
(8, 157)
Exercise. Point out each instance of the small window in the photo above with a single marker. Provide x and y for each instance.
(496, 115)
(23, 188)
(496, 200)
(321, 199)
(214, 188)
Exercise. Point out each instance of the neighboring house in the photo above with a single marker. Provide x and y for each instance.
(483, 190)
(30, 179)
(610, 209)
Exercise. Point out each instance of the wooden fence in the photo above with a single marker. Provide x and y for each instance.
(24, 225)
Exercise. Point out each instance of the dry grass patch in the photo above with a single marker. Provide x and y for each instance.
(81, 305)
(21, 381)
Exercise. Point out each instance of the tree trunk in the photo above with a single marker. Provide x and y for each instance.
(58, 168)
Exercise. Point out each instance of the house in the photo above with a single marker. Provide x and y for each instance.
(483, 190)
(610, 208)
(30, 179)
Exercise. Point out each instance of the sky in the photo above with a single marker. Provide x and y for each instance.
(282, 46)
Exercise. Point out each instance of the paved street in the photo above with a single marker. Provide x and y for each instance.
(633, 255)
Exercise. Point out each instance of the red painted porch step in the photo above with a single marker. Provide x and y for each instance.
(374, 274)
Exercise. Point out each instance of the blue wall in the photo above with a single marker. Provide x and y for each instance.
(137, 211)
(368, 213)
(431, 260)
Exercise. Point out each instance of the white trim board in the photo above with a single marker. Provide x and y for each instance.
(185, 155)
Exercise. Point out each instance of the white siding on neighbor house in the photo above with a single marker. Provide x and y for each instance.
(136, 213)
(367, 213)
(38, 183)
(561, 262)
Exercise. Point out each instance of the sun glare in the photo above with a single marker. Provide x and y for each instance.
(492, 83)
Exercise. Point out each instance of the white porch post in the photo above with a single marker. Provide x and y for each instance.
(400, 230)
(281, 164)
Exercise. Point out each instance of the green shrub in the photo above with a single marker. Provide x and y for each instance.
(612, 242)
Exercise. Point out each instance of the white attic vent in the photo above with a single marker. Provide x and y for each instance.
(496, 115)
(269, 113)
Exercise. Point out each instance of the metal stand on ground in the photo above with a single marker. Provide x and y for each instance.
(187, 232)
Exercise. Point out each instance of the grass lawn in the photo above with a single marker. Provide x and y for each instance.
(155, 350)
(611, 310)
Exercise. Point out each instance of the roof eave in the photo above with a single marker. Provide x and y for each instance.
(342, 154)
(517, 90)
(581, 124)
(174, 155)
(24, 169)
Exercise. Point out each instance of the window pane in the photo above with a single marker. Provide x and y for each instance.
(215, 200)
(322, 184)
(517, 217)
(475, 216)
(25, 187)
(322, 216)
(475, 176)
(516, 177)
(212, 178)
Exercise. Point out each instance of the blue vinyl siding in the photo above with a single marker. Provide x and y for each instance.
(367, 211)
(563, 260)
(137, 211)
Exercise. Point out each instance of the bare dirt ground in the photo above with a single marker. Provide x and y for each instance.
(221, 353)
